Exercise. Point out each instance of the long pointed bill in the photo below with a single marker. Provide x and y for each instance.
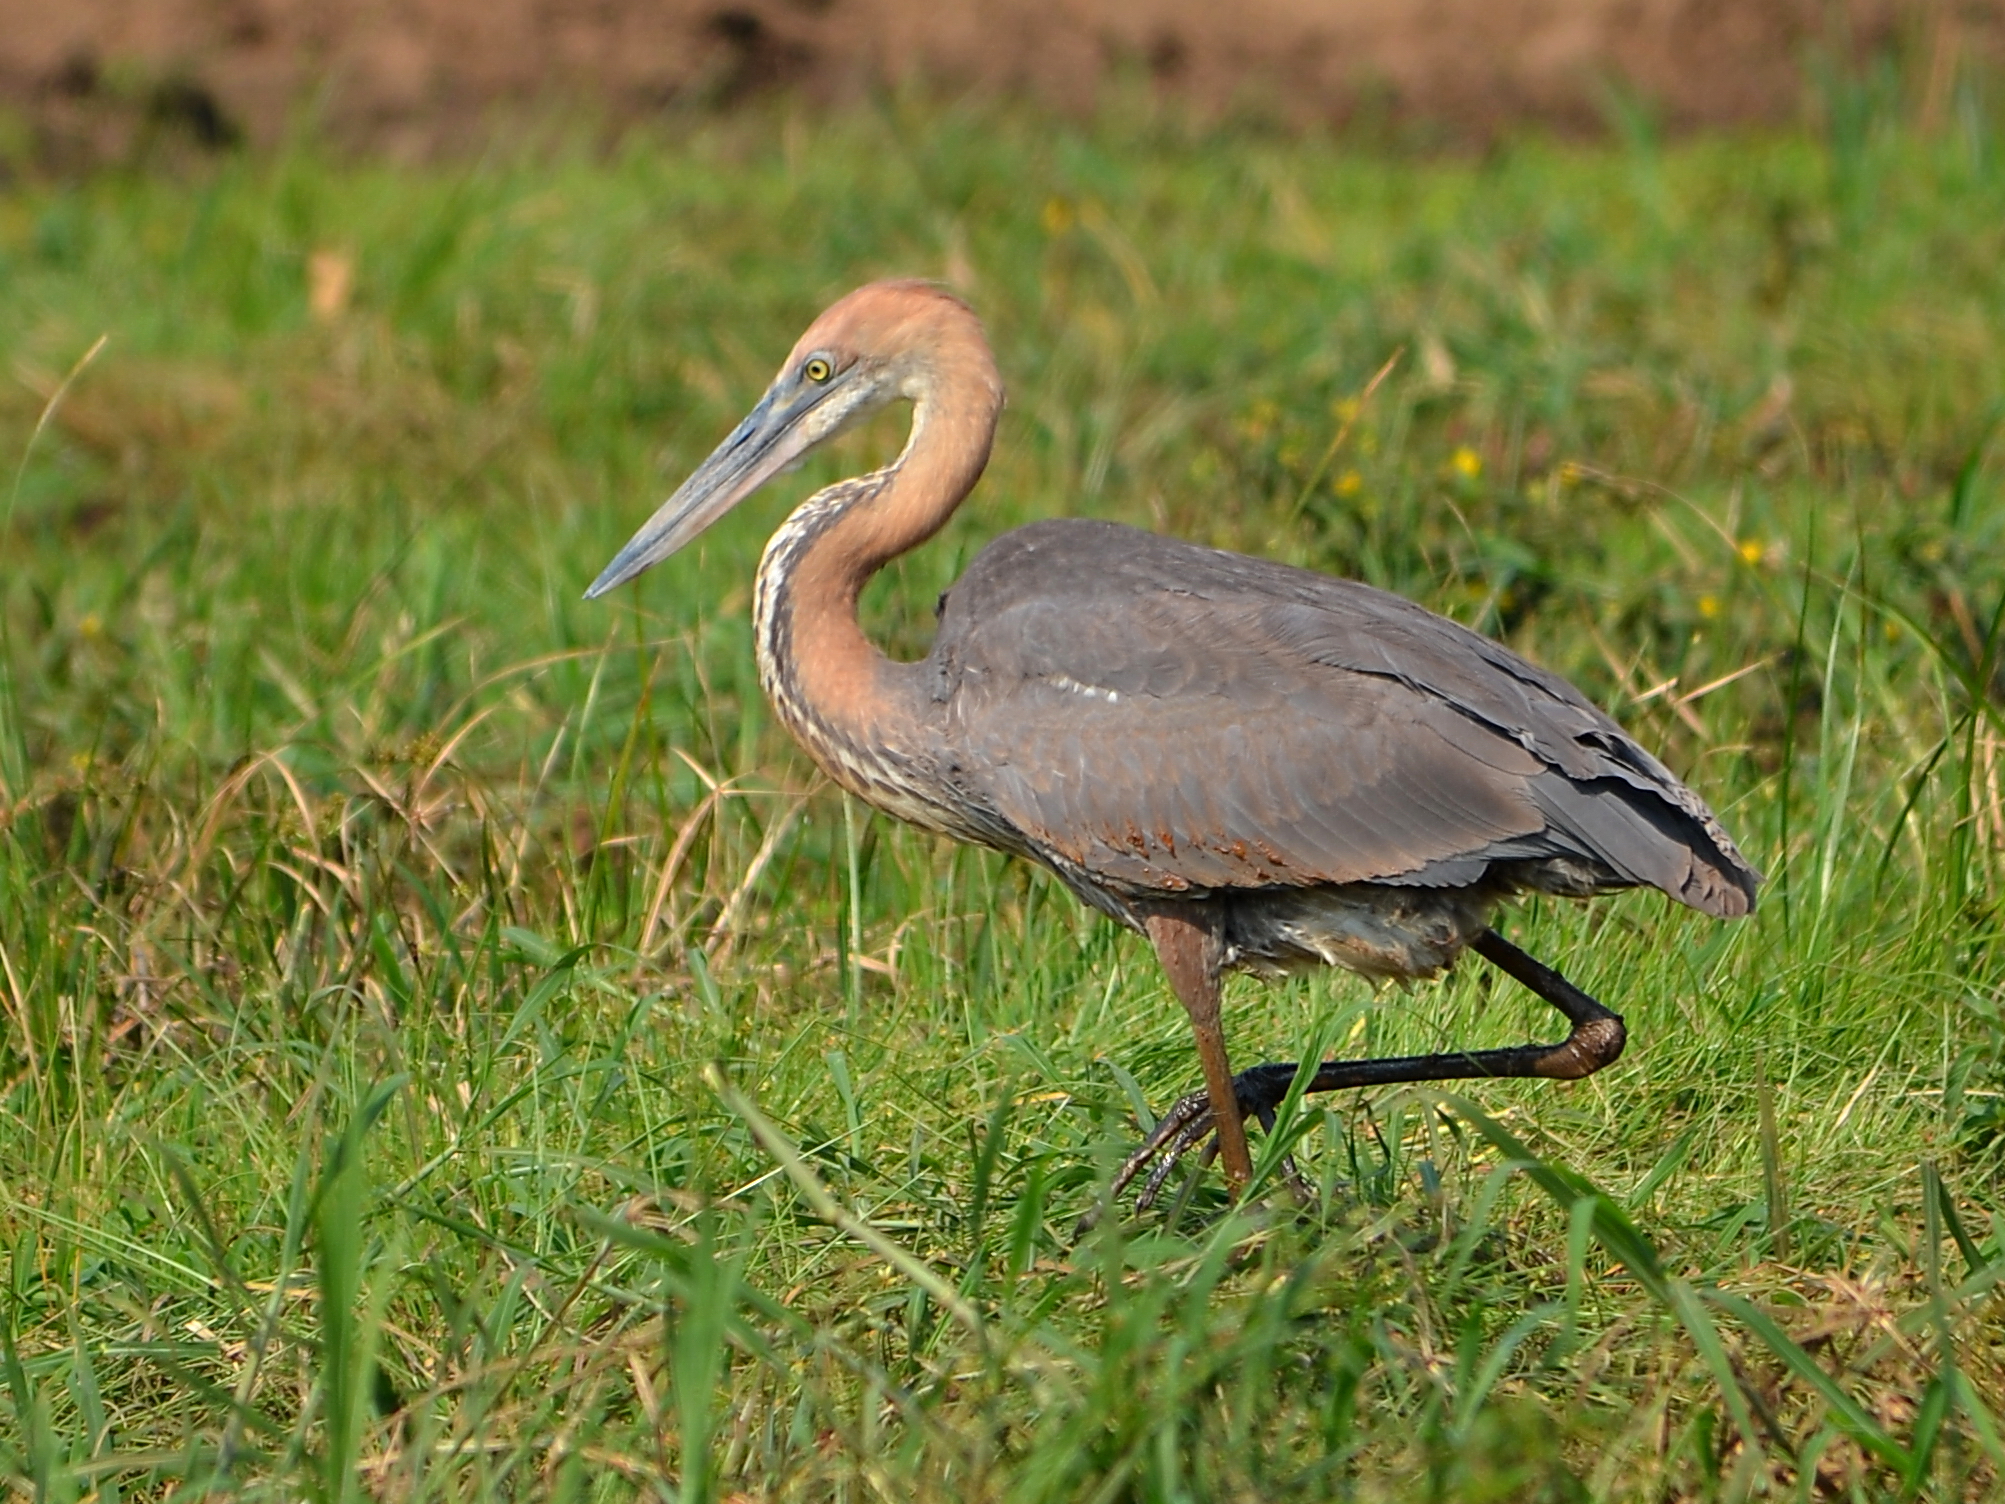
(773, 435)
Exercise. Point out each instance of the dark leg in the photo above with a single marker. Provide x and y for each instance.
(1596, 1040)
(1189, 945)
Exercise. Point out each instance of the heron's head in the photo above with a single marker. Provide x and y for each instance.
(881, 343)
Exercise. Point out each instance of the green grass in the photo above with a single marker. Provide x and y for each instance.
(455, 1047)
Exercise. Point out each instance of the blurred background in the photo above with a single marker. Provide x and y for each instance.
(88, 79)
(371, 905)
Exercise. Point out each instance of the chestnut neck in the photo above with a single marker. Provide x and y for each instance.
(826, 679)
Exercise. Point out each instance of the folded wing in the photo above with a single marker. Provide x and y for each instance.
(1166, 717)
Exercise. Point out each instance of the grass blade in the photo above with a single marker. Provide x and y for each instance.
(1848, 1413)
(837, 1215)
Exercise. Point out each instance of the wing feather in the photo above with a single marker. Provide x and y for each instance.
(1166, 717)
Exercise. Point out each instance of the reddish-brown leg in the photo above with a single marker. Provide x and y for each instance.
(1595, 1040)
(1192, 950)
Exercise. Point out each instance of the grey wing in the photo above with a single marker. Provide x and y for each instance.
(1170, 718)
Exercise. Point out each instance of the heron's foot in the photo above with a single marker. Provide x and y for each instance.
(1191, 1122)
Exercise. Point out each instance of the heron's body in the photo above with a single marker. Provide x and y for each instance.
(1255, 765)
(1357, 780)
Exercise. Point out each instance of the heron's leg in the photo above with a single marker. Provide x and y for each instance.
(1189, 944)
(1595, 1040)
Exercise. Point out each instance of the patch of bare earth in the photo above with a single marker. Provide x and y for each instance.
(94, 78)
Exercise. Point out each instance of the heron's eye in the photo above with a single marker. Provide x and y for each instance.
(817, 369)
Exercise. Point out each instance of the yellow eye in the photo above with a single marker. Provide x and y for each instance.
(817, 370)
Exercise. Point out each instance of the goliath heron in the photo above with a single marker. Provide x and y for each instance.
(1253, 765)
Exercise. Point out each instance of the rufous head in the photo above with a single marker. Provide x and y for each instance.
(884, 342)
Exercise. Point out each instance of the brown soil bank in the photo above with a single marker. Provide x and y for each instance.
(91, 77)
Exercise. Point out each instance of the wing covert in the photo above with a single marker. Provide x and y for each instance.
(1166, 717)
(1217, 765)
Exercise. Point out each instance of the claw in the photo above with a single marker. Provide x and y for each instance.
(1195, 1108)
(1291, 1174)
(1190, 1122)
(1192, 1135)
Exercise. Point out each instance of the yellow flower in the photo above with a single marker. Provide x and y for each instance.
(1570, 473)
(1349, 483)
(1466, 462)
(1752, 550)
(1346, 409)
(1057, 216)
(91, 627)
(1709, 606)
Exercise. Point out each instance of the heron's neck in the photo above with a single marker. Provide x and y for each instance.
(826, 679)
